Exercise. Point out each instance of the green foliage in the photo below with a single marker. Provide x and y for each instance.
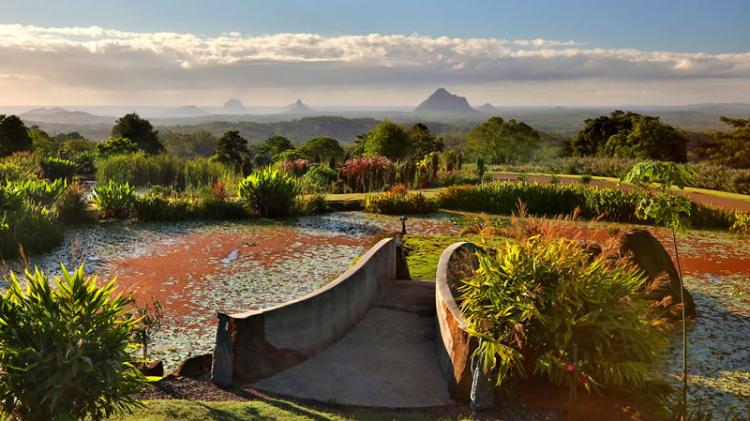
(70, 207)
(140, 131)
(423, 141)
(64, 349)
(269, 192)
(502, 142)
(54, 168)
(189, 145)
(149, 324)
(207, 203)
(741, 222)
(165, 170)
(231, 149)
(536, 304)
(39, 192)
(275, 145)
(115, 200)
(41, 144)
(319, 178)
(117, 146)
(388, 139)
(322, 149)
(731, 149)
(310, 204)
(630, 135)
(398, 201)
(666, 207)
(480, 168)
(10, 171)
(14, 136)
(586, 179)
(34, 228)
(85, 163)
(289, 155)
(611, 204)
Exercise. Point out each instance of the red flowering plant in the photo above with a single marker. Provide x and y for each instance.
(368, 173)
(295, 167)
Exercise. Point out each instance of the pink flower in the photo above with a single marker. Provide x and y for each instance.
(570, 368)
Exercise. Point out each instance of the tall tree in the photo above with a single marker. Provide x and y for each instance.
(630, 135)
(731, 149)
(423, 141)
(140, 131)
(390, 140)
(231, 149)
(322, 149)
(14, 136)
(275, 145)
(502, 142)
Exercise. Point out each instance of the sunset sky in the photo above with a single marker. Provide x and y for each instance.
(373, 53)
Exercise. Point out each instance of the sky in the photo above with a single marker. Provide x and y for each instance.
(373, 53)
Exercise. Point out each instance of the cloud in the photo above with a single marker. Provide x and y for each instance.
(108, 60)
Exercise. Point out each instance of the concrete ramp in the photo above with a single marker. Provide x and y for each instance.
(387, 360)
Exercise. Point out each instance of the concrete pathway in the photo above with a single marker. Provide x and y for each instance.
(388, 360)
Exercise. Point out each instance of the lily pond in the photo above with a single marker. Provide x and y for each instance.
(197, 268)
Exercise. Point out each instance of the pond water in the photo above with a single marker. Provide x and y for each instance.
(198, 268)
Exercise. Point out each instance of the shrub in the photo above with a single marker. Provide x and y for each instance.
(270, 192)
(54, 168)
(115, 200)
(40, 192)
(611, 204)
(166, 170)
(33, 228)
(10, 171)
(294, 167)
(319, 178)
(741, 222)
(563, 314)
(586, 179)
(116, 146)
(311, 204)
(457, 178)
(70, 207)
(85, 163)
(398, 201)
(369, 173)
(64, 349)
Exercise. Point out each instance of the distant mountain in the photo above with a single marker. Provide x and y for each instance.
(488, 108)
(186, 111)
(61, 115)
(234, 106)
(442, 101)
(298, 107)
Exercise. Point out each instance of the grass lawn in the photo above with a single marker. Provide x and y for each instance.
(425, 251)
(432, 192)
(267, 409)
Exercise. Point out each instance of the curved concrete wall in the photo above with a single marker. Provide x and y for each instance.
(258, 344)
(454, 345)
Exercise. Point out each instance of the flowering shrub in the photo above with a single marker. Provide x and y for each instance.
(368, 173)
(295, 167)
(398, 201)
(741, 222)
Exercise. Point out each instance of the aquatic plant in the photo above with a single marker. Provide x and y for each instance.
(270, 192)
(115, 200)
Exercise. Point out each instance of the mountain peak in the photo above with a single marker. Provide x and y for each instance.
(442, 101)
(298, 107)
(487, 108)
(234, 106)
